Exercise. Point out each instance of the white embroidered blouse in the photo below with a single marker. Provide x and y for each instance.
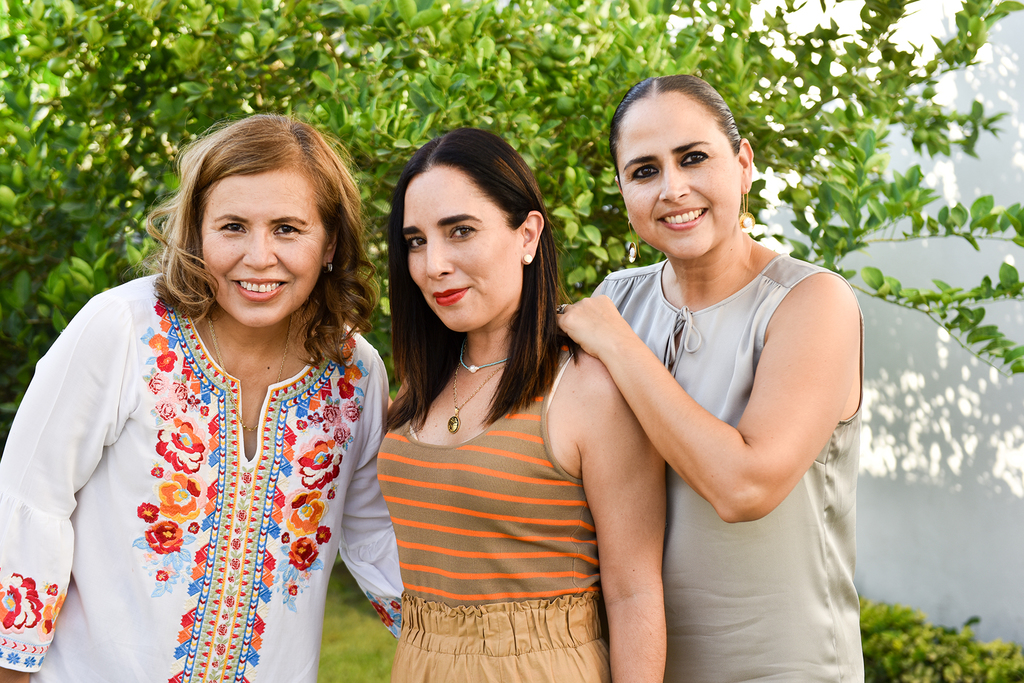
(128, 506)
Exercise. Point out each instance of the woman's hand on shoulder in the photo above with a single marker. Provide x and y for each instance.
(595, 324)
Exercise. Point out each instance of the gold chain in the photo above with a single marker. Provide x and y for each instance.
(280, 370)
(453, 422)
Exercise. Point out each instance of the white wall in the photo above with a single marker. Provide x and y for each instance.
(941, 492)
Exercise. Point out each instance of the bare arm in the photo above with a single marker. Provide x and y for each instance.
(9, 676)
(624, 479)
(807, 380)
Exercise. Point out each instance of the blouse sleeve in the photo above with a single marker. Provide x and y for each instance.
(73, 408)
(368, 544)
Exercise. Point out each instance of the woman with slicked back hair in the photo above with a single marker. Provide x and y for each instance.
(744, 368)
(199, 444)
(521, 487)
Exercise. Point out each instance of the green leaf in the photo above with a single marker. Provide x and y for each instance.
(321, 81)
(1008, 276)
(983, 333)
(593, 234)
(21, 290)
(426, 18)
(406, 9)
(872, 277)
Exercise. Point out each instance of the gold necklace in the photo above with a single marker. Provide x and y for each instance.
(453, 422)
(280, 370)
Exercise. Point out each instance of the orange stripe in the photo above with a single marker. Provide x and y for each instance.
(500, 596)
(486, 515)
(396, 437)
(485, 577)
(492, 556)
(480, 494)
(473, 468)
(523, 416)
(486, 534)
(507, 454)
(517, 435)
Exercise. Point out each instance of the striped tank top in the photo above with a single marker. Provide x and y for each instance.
(495, 519)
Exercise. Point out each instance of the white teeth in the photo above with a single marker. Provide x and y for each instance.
(248, 286)
(686, 217)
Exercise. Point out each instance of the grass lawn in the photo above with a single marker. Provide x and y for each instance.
(356, 647)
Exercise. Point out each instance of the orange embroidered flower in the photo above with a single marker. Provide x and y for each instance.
(303, 554)
(159, 343)
(180, 497)
(307, 509)
(165, 537)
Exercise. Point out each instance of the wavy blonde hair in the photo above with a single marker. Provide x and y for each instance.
(341, 301)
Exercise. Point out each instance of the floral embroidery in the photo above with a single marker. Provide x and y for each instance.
(303, 554)
(165, 537)
(148, 512)
(180, 497)
(181, 446)
(307, 509)
(20, 606)
(320, 465)
(390, 612)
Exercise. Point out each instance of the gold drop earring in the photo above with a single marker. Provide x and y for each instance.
(631, 244)
(747, 221)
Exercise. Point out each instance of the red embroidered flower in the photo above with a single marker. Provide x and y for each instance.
(221, 649)
(204, 411)
(320, 465)
(307, 509)
(166, 361)
(301, 424)
(157, 472)
(20, 606)
(330, 494)
(345, 388)
(181, 392)
(323, 534)
(181, 446)
(332, 414)
(165, 537)
(236, 563)
(351, 411)
(236, 543)
(157, 384)
(148, 512)
(193, 528)
(293, 589)
(303, 554)
(51, 589)
(246, 478)
(341, 434)
(162, 575)
(180, 497)
(222, 629)
(286, 537)
(230, 601)
(384, 616)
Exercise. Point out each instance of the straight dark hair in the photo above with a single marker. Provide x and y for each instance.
(685, 84)
(425, 351)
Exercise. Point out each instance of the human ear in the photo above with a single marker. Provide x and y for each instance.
(531, 229)
(746, 158)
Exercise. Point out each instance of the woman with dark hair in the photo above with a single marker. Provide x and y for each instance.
(744, 368)
(511, 462)
(198, 445)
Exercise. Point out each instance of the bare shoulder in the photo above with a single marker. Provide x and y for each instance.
(589, 378)
(822, 300)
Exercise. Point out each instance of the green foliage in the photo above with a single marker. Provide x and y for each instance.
(97, 96)
(901, 647)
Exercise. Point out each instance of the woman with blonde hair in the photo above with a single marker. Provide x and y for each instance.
(198, 445)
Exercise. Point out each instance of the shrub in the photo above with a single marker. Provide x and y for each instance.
(901, 647)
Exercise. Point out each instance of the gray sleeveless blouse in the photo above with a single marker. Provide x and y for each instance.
(772, 599)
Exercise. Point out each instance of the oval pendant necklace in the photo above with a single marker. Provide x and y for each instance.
(453, 421)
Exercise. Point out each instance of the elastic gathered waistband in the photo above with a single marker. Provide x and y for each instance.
(501, 629)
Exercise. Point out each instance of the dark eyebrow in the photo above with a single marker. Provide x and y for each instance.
(451, 220)
(681, 149)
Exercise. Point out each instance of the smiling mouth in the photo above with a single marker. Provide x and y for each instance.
(260, 288)
(449, 296)
(685, 217)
